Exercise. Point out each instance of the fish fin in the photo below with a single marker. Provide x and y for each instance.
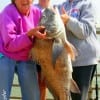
(56, 50)
(71, 50)
(74, 88)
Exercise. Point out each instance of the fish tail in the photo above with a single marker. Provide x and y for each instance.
(74, 88)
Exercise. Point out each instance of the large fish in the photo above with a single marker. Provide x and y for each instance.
(54, 54)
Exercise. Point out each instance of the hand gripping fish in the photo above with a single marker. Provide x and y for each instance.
(54, 54)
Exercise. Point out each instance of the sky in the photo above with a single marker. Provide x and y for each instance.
(95, 2)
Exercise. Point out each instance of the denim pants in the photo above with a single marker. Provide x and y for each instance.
(83, 76)
(27, 76)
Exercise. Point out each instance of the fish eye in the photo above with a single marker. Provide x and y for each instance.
(44, 16)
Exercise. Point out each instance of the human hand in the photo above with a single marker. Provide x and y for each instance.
(38, 32)
(65, 17)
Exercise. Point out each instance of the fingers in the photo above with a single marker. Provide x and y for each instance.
(40, 27)
(63, 11)
(41, 35)
(65, 17)
(40, 32)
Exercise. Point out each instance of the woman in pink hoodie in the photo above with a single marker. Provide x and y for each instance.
(18, 27)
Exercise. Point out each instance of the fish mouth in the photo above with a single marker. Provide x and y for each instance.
(50, 32)
(42, 30)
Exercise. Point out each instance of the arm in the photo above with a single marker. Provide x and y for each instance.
(85, 25)
(14, 41)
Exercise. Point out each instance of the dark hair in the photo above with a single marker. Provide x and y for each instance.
(13, 1)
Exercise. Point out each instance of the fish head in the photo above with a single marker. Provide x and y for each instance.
(50, 20)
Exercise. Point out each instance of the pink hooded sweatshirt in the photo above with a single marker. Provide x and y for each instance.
(14, 41)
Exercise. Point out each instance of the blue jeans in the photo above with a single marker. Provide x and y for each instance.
(27, 75)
